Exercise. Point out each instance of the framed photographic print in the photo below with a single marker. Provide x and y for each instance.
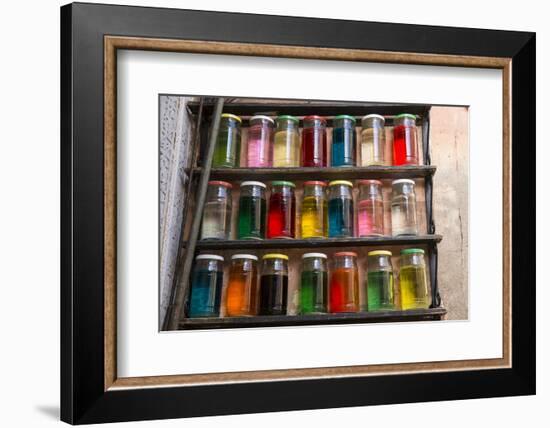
(265, 213)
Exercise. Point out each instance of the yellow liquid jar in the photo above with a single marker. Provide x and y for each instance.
(413, 280)
(286, 147)
(314, 210)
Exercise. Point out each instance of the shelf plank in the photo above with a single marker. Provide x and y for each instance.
(267, 244)
(432, 314)
(333, 173)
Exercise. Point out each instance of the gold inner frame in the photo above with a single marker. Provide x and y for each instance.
(112, 43)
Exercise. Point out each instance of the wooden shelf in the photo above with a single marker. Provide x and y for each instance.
(268, 244)
(303, 174)
(433, 314)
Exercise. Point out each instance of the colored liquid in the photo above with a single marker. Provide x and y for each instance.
(380, 296)
(273, 294)
(314, 217)
(403, 216)
(343, 147)
(313, 292)
(370, 217)
(252, 212)
(206, 293)
(344, 290)
(340, 217)
(405, 145)
(216, 220)
(281, 217)
(286, 149)
(259, 149)
(227, 150)
(242, 292)
(413, 284)
(372, 146)
(314, 147)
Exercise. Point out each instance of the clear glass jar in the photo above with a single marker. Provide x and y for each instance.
(405, 140)
(216, 217)
(344, 283)
(379, 282)
(314, 142)
(344, 141)
(373, 140)
(281, 215)
(252, 210)
(259, 151)
(206, 286)
(228, 143)
(274, 285)
(340, 209)
(314, 284)
(286, 149)
(314, 210)
(403, 208)
(413, 280)
(242, 287)
(370, 209)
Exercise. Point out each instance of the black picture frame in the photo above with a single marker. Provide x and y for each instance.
(83, 396)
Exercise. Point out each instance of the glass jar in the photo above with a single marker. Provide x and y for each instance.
(344, 283)
(379, 282)
(340, 209)
(314, 284)
(252, 210)
(314, 142)
(405, 140)
(413, 280)
(274, 285)
(228, 143)
(373, 140)
(403, 208)
(216, 217)
(343, 141)
(259, 150)
(281, 217)
(206, 286)
(370, 209)
(314, 210)
(242, 287)
(286, 149)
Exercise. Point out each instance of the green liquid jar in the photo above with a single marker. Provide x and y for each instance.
(228, 143)
(252, 211)
(379, 284)
(314, 284)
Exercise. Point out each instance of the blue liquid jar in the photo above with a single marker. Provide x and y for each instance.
(206, 286)
(340, 209)
(344, 141)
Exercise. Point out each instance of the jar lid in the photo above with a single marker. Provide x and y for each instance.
(402, 180)
(405, 116)
(345, 253)
(314, 183)
(283, 183)
(412, 251)
(379, 253)
(253, 183)
(209, 257)
(344, 116)
(220, 183)
(275, 256)
(315, 117)
(370, 182)
(261, 116)
(343, 182)
(373, 116)
(309, 255)
(288, 117)
(244, 256)
(232, 116)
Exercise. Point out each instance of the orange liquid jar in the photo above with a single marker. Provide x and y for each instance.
(242, 289)
(344, 283)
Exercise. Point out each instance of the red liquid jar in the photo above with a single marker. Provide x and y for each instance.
(314, 142)
(281, 215)
(405, 140)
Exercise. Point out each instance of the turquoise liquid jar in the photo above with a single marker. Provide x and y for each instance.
(206, 286)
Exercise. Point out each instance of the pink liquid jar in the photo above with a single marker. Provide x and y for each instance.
(259, 151)
(370, 209)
